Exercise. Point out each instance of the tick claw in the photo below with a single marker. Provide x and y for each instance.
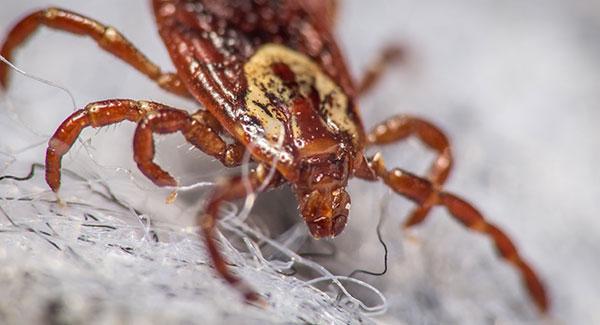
(253, 298)
(61, 203)
(411, 237)
(171, 197)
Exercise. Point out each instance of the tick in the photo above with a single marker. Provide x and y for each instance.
(271, 80)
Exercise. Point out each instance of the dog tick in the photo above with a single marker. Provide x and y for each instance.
(270, 76)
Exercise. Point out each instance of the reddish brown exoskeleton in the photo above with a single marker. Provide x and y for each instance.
(270, 76)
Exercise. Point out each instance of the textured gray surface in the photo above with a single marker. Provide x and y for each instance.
(516, 86)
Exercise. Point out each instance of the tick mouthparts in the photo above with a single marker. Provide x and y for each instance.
(327, 227)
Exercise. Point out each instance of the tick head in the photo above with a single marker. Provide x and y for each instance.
(325, 212)
(322, 197)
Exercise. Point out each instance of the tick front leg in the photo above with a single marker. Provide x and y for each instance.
(107, 38)
(425, 194)
(200, 129)
(231, 189)
(401, 127)
(96, 114)
(390, 55)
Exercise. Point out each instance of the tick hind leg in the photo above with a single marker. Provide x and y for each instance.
(200, 129)
(107, 38)
(399, 128)
(424, 192)
(233, 188)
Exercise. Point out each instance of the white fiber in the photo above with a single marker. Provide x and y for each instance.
(44, 81)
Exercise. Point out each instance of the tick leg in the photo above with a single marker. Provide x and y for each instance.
(390, 55)
(231, 189)
(424, 193)
(96, 114)
(107, 38)
(399, 128)
(200, 129)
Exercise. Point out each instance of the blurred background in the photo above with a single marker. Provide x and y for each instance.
(515, 85)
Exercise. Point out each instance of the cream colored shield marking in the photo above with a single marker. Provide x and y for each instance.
(262, 80)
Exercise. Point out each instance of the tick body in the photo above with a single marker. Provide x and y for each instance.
(270, 77)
